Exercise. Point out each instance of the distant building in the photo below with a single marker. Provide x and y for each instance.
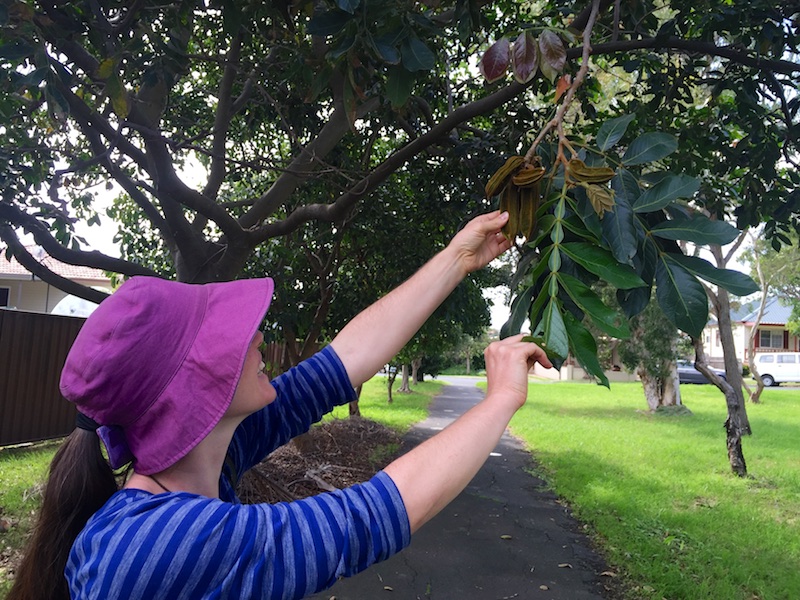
(21, 290)
(772, 335)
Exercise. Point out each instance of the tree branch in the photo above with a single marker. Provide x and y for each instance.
(27, 260)
(97, 260)
(222, 118)
(344, 203)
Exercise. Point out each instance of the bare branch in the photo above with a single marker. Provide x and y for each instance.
(14, 216)
(27, 260)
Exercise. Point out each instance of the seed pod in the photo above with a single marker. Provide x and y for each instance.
(499, 180)
(509, 201)
(527, 176)
(528, 207)
(601, 197)
(580, 173)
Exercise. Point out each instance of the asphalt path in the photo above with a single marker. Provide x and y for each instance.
(506, 536)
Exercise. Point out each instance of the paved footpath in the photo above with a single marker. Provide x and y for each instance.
(504, 537)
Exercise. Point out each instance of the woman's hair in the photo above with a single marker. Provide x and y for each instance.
(79, 483)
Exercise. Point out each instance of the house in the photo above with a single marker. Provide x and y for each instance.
(772, 335)
(21, 290)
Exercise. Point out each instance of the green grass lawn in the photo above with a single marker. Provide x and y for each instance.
(402, 413)
(658, 490)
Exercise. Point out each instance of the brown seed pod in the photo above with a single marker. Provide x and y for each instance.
(580, 173)
(498, 181)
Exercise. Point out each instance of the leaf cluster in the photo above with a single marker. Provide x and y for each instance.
(632, 247)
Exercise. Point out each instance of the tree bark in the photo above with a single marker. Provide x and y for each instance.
(354, 409)
(737, 423)
(390, 377)
(405, 388)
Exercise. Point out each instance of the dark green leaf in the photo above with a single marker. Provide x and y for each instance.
(348, 6)
(416, 55)
(328, 23)
(735, 282)
(699, 229)
(399, 84)
(541, 266)
(649, 147)
(602, 263)
(607, 319)
(667, 190)
(625, 185)
(15, 50)
(555, 333)
(344, 45)
(619, 231)
(519, 314)
(387, 52)
(612, 131)
(584, 348)
(681, 296)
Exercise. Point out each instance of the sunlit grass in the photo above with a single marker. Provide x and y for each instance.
(405, 409)
(659, 493)
(22, 471)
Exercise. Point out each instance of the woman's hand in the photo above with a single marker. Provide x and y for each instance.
(481, 241)
(507, 364)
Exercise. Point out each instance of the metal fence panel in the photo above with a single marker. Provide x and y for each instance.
(33, 347)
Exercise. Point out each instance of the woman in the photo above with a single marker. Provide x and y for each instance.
(171, 378)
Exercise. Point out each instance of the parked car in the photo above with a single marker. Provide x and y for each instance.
(778, 367)
(688, 373)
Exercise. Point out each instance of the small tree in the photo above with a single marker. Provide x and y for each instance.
(650, 352)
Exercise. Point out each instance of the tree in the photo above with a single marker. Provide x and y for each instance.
(294, 96)
(650, 353)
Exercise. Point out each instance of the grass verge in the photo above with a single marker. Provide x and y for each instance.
(658, 491)
(402, 413)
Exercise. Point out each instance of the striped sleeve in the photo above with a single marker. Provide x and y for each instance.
(176, 546)
(305, 393)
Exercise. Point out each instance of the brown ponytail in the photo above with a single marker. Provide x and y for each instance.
(79, 483)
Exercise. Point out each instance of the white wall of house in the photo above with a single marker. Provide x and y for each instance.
(38, 296)
(770, 338)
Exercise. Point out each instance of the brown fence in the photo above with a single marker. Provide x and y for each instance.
(33, 347)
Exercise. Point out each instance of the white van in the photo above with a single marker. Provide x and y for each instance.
(778, 367)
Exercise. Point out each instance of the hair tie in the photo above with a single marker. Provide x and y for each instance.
(86, 423)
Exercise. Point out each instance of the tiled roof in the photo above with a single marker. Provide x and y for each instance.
(776, 312)
(13, 268)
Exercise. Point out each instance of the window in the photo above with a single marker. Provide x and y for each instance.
(786, 358)
(767, 358)
(769, 338)
(4, 293)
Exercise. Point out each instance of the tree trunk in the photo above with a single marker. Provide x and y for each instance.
(737, 423)
(354, 409)
(468, 361)
(652, 389)
(405, 388)
(659, 392)
(416, 365)
(390, 377)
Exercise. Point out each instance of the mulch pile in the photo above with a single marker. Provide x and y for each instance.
(333, 455)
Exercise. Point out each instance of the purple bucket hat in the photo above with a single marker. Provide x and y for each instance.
(157, 364)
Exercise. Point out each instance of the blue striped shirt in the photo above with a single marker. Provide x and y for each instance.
(186, 546)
